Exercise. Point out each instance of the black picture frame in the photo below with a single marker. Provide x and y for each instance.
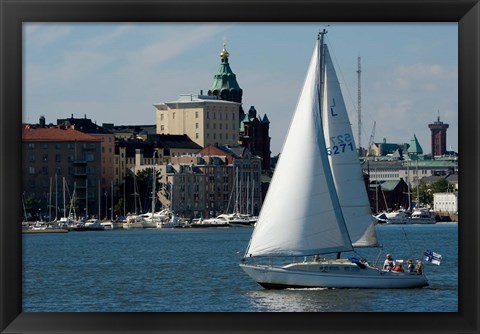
(14, 12)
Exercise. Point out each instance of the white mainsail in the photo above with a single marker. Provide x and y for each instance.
(347, 174)
(301, 214)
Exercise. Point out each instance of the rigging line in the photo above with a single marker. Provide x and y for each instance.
(408, 241)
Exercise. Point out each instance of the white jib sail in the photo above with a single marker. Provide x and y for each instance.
(301, 213)
(343, 157)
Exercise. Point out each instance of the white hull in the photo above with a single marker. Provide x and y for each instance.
(335, 274)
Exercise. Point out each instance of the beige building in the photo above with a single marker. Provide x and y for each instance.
(206, 186)
(205, 119)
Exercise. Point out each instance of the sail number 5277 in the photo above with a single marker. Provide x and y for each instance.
(340, 144)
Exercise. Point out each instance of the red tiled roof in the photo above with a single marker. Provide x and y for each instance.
(54, 134)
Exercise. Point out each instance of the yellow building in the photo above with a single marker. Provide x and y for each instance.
(205, 119)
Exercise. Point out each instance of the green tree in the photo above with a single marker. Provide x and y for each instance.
(423, 194)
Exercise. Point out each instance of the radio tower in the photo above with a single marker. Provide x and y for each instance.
(359, 109)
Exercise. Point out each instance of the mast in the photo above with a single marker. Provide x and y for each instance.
(321, 55)
(359, 101)
(111, 200)
(153, 183)
(99, 199)
(64, 201)
(56, 196)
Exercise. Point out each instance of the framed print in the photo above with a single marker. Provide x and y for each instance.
(99, 59)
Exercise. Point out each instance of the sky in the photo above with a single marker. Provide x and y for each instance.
(116, 72)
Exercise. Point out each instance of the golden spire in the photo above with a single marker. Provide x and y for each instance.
(224, 53)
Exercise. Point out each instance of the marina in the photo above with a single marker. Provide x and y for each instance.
(196, 270)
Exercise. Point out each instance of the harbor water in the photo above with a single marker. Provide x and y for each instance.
(196, 270)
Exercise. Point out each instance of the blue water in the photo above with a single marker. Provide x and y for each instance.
(196, 270)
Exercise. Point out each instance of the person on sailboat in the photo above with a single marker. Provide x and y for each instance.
(389, 263)
(419, 267)
(410, 266)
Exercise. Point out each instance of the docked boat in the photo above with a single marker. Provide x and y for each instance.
(423, 216)
(107, 225)
(332, 213)
(133, 221)
(89, 225)
(395, 217)
(210, 222)
(168, 219)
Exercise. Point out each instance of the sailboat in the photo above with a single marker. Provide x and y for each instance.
(332, 213)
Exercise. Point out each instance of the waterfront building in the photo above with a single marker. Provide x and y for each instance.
(211, 182)
(445, 202)
(388, 195)
(412, 171)
(166, 147)
(438, 137)
(54, 153)
(107, 146)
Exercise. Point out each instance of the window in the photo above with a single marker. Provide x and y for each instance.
(32, 158)
(58, 146)
(161, 117)
(196, 135)
(173, 116)
(45, 146)
(162, 127)
(57, 157)
(31, 146)
(196, 125)
(45, 158)
(196, 114)
(31, 170)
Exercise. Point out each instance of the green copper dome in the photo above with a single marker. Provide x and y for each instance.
(225, 84)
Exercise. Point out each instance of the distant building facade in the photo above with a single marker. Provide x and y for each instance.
(205, 119)
(445, 202)
(438, 137)
(52, 154)
(107, 146)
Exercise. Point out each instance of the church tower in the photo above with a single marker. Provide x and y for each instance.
(438, 137)
(225, 85)
(253, 130)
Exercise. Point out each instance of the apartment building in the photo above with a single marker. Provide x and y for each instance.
(56, 155)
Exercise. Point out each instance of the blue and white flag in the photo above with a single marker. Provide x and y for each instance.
(432, 257)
